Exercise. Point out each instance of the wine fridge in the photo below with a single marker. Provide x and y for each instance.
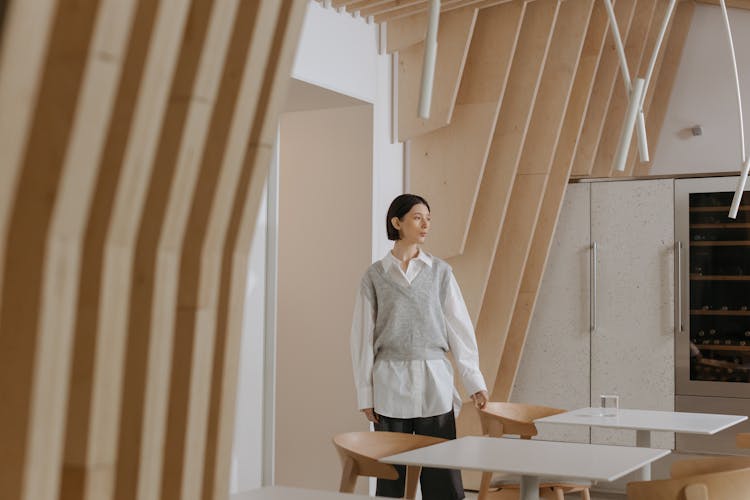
(712, 317)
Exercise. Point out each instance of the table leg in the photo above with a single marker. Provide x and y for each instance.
(529, 488)
(643, 439)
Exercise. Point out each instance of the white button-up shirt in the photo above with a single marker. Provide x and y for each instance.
(417, 388)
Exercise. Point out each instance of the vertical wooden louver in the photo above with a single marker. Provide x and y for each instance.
(135, 140)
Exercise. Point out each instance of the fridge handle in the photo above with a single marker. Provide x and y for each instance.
(594, 270)
(678, 283)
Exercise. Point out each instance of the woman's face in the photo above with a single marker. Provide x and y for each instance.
(415, 225)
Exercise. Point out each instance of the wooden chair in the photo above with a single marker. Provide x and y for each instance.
(499, 419)
(360, 452)
(726, 485)
(743, 440)
(709, 465)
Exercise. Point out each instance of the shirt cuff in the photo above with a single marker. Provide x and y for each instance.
(364, 397)
(474, 382)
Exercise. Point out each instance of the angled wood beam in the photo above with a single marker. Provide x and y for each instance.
(552, 202)
(236, 250)
(643, 22)
(650, 43)
(379, 8)
(665, 82)
(34, 356)
(434, 157)
(454, 36)
(473, 266)
(531, 179)
(606, 78)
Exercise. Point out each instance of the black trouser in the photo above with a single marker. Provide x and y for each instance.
(437, 484)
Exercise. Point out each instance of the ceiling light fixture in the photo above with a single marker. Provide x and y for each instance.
(430, 55)
(745, 160)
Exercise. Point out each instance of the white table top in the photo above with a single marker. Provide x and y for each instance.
(647, 420)
(284, 493)
(532, 458)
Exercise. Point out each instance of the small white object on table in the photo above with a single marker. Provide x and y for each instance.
(532, 460)
(285, 493)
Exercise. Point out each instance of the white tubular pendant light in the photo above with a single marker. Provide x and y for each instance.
(641, 123)
(745, 160)
(430, 55)
(634, 106)
(626, 136)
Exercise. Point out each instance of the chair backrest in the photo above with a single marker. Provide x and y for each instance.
(708, 465)
(728, 485)
(743, 440)
(500, 418)
(366, 448)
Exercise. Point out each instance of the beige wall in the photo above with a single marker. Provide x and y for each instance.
(325, 189)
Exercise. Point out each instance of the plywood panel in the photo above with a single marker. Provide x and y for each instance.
(606, 78)
(419, 8)
(24, 34)
(473, 266)
(665, 81)
(454, 35)
(244, 213)
(643, 21)
(34, 362)
(63, 264)
(447, 164)
(528, 190)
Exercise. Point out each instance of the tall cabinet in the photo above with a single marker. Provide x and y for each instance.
(604, 319)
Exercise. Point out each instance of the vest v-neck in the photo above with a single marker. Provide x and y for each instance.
(406, 285)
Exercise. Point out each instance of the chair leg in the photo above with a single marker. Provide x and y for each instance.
(484, 486)
(412, 478)
(348, 476)
(559, 494)
(585, 495)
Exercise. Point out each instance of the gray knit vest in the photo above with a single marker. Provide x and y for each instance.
(409, 322)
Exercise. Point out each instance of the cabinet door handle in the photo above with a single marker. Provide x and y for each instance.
(594, 270)
(678, 327)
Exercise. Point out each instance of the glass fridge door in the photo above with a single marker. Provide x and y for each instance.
(713, 347)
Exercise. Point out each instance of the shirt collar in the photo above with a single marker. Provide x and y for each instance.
(390, 260)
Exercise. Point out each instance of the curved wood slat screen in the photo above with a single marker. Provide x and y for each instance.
(135, 141)
(433, 157)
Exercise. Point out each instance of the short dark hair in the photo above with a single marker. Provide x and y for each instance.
(400, 206)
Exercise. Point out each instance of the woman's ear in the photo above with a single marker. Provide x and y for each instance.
(395, 222)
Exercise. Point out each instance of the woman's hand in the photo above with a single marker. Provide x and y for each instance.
(371, 415)
(480, 399)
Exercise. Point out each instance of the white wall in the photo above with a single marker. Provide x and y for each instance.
(704, 94)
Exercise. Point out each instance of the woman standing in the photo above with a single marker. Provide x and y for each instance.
(408, 314)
